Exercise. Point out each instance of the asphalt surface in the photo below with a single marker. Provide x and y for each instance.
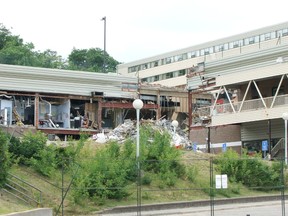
(265, 208)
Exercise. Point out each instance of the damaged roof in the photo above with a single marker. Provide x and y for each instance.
(33, 79)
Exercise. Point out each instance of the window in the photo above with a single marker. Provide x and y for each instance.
(182, 72)
(285, 32)
(267, 36)
(226, 47)
(262, 37)
(144, 66)
(251, 40)
(132, 69)
(279, 33)
(219, 48)
(202, 52)
(156, 78)
(273, 35)
(168, 60)
(206, 51)
(193, 54)
(169, 75)
(200, 102)
(211, 49)
(178, 58)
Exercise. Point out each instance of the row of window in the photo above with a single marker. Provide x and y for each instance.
(213, 49)
(164, 76)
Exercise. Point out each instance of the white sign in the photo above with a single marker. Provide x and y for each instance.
(221, 181)
(218, 181)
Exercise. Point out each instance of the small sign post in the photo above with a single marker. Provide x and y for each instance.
(224, 147)
(265, 147)
(221, 181)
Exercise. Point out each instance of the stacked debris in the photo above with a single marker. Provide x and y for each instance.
(128, 129)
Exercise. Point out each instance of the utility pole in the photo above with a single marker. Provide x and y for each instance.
(104, 54)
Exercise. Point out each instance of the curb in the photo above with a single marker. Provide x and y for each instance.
(187, 204)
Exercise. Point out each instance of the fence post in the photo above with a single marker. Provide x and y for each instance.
(211, 187)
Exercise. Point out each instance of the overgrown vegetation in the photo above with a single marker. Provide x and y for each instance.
(107, 173)
(4, 158)
(251, 172)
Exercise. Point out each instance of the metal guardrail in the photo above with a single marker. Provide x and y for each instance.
(23, 190)
(247, 105)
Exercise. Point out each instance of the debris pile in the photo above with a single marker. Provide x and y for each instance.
(128, 129)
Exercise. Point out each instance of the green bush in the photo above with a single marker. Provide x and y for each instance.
(30, 145)
(191, 173)
(104, 175)
(159, 156)
(68, 155)
(252, 172)
(146, 179)
(45, 161)
(4, 158)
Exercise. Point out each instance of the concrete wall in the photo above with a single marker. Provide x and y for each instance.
(34, 212)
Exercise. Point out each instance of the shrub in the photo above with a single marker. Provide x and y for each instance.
(4, 158)
(252, 172)
(104, 175)
(45, 161)
(160, 156)
(192, 173)
(146, 179)
(30, 145)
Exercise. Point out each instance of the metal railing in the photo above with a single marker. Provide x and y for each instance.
(279, 146)
(22, 190)
(245, 106)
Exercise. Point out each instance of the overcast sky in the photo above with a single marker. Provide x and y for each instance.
(135, 29)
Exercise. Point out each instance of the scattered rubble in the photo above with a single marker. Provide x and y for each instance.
(128, 129)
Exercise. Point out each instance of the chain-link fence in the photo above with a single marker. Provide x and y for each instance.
(196, 183)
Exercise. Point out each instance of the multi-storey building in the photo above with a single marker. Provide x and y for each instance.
(245, 75)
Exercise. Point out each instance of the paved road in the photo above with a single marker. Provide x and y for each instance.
(267, 208)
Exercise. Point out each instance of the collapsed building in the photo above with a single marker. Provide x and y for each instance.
(63, 102)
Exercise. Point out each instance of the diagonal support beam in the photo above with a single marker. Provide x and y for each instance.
(215, 102)
(277, 91)
(230, 102)
(245, 95)
(260, 94)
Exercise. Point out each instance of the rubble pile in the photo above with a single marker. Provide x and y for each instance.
(128, 129)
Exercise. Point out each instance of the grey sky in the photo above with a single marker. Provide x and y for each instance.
(135, 29)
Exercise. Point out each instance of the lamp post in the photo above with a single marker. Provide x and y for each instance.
(104, 55)
(285, 117)
(138, 104)
(175, 125)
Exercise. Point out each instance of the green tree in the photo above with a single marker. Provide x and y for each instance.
(91, 60)
(14, 51)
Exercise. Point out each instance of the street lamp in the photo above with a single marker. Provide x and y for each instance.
(104, 56)
(138, 104)
(175, 125)
(285, 117)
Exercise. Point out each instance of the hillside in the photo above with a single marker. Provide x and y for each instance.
(182, 191)
(97, 176)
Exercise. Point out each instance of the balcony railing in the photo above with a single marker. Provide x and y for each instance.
(247, 105)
